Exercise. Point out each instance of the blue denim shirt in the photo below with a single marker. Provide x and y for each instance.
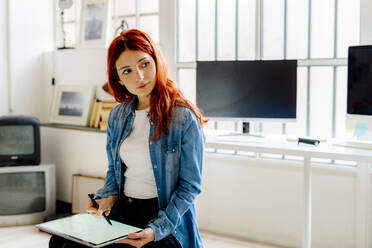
(177, 164)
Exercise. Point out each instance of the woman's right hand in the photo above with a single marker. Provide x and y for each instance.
(105, 205)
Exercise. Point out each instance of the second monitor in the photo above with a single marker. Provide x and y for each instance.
(247, 90)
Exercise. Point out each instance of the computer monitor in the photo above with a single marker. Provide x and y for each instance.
(264, 90)
(359, 88)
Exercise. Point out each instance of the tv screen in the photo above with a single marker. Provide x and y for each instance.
(359, 90)
(24, 193)
(27, 193)
(17, 140)
(247, 89)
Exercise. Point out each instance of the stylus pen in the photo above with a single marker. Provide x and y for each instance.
(95, 205)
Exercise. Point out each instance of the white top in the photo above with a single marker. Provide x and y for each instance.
(135, 153)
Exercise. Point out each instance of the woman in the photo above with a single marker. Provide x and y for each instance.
(154, 147)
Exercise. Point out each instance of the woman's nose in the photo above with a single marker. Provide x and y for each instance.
(139, 76)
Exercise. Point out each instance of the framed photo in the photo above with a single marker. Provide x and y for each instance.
(72, 104)
(94, 23)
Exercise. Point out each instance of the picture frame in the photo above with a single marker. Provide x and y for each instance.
(72, 104)
(82, 185)
(94, 23)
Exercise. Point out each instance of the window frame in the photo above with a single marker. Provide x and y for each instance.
(308, 62)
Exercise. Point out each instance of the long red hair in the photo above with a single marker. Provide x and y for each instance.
(165, 95)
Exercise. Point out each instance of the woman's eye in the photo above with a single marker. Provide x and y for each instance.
(145, 64)
(126, 71)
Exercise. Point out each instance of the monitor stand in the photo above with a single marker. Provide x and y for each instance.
(363, 140)
(359, 144)
(245, 132)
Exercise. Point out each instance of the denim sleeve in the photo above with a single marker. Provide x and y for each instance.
(189, 179)
(110, 187)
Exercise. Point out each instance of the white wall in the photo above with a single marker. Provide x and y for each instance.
(73, 152)
(3, 59)
(31, 34)
(83, 66)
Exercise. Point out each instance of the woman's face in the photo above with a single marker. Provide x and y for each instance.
(137, 72)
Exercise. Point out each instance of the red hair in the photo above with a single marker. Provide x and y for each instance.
(165, 95)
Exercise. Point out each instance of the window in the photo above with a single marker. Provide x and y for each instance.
(142, 14)
(315, 32)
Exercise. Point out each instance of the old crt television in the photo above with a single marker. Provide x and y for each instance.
(264, 90)
(27, 194)
(19, 141)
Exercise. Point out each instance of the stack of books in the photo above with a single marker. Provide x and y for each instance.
(100, 113)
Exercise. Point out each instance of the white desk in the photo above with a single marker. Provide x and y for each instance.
(326, 150)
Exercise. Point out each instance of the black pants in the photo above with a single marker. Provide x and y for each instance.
(130, 211)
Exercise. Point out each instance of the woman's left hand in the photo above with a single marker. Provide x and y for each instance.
(139, 239)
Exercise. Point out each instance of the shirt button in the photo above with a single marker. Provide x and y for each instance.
(150, 142)
(158, 189)
(155, 166)
(175, 232)
(173, 150)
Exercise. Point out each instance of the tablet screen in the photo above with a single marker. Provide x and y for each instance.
(86, 227)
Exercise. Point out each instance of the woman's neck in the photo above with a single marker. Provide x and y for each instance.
(143, 102)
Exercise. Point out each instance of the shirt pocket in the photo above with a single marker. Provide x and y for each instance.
(171, 154)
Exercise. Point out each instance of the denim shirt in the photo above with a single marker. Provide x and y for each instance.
(177, 165)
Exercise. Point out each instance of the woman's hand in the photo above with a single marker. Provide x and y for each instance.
(105, 205)
(139, 239)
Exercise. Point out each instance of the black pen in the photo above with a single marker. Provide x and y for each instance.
(95, 205)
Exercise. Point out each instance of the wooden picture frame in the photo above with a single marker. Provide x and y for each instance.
(72, 104)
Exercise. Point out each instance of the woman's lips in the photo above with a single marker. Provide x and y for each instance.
(142, 86)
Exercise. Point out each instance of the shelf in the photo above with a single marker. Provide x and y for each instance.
(71, 127)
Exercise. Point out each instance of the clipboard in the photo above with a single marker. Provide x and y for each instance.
(88, 230)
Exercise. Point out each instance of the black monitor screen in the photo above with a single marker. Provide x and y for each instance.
(359, 93)
(247, 89)
(17, 140)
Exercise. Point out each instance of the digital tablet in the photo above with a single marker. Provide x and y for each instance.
(88, 230)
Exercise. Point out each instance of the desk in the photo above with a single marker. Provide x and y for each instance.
(326, 150)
